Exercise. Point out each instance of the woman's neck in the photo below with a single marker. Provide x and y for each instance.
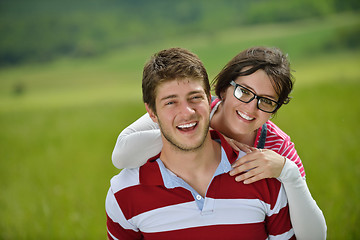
(248, 139)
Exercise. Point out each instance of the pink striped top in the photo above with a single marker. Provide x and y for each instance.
(280, 142)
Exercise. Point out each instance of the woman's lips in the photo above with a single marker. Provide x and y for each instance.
(245, 116)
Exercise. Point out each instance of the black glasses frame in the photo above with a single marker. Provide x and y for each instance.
(258, 98)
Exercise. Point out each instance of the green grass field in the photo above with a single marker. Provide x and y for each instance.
(59, 127)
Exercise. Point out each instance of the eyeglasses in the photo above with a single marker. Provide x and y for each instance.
(245, 95)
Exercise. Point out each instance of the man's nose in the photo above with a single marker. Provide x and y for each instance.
(186, 109)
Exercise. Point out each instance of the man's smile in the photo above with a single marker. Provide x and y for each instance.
(187, 126)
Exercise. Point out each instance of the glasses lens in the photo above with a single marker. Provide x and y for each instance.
(243, 94)
(237, 92)
(267, 105)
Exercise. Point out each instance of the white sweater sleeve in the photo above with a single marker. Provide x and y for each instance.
(137, 143)
(307, 219)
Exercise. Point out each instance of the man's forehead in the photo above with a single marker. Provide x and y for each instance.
(179, 86)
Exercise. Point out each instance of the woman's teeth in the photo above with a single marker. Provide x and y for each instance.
(244, 116)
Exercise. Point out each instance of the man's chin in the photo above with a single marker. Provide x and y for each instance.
(189, 145)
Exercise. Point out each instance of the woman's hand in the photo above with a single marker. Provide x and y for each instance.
(239, 146)
(257, 165)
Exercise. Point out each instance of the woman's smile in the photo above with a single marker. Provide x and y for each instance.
(244, 116)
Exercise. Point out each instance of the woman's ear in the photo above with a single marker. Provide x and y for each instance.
(223, 95)
(151, 113)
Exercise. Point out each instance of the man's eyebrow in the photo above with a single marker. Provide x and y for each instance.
(168, 97)
(196, 92)
(176, 96)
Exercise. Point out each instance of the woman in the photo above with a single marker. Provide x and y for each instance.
(250, 90)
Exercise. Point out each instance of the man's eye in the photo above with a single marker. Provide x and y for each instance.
(169, 103)
(197, 97)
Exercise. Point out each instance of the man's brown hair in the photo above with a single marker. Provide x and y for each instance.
(171, 64)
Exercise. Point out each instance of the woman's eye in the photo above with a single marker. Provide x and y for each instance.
(267, 101)
(244, 91)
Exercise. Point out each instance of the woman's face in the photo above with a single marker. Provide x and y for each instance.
(245, 118)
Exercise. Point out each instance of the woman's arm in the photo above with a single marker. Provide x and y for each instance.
(137, 143)
(306, 217)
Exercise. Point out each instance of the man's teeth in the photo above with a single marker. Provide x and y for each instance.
(189, 125)
(246, 117)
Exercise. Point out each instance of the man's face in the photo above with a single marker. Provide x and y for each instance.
(182, 112)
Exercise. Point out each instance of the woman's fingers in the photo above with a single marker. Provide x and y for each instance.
(254, 154)
(254, 178)
(248, 174)
(239, 146)
(253, 175)
(257, 165)
(243, 147)
(243, 166)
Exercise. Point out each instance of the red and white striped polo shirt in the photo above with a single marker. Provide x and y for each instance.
(145, 203)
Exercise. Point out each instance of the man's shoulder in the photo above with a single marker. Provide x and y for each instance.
(231, 153)
(271, 189)
(268, 183)
(126, 178)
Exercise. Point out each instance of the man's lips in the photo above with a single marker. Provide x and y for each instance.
(187, 126)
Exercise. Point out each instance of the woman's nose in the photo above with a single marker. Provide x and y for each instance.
(252, 105)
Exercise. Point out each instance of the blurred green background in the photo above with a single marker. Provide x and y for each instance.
(70, 81)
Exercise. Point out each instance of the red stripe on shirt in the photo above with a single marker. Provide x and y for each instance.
(262, 190)
(243, 231)
(147, 198)
(120, 233)
(276, 223)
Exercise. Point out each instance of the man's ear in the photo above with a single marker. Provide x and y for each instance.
(151, 113)
(209, 98)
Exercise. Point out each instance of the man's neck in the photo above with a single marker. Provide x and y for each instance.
(195, 167)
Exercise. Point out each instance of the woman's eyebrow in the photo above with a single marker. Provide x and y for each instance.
(262, 95)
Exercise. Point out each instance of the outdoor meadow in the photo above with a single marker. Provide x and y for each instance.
(60, 115)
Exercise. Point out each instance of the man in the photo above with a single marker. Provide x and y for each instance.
(186, 192)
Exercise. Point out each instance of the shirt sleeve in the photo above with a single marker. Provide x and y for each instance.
(306, 217)
(137, 143)
(118, 228)
(277, 220)
(288, 150)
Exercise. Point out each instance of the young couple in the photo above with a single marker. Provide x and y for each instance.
(194, 184)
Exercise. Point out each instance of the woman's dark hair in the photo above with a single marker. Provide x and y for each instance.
(271, 60)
